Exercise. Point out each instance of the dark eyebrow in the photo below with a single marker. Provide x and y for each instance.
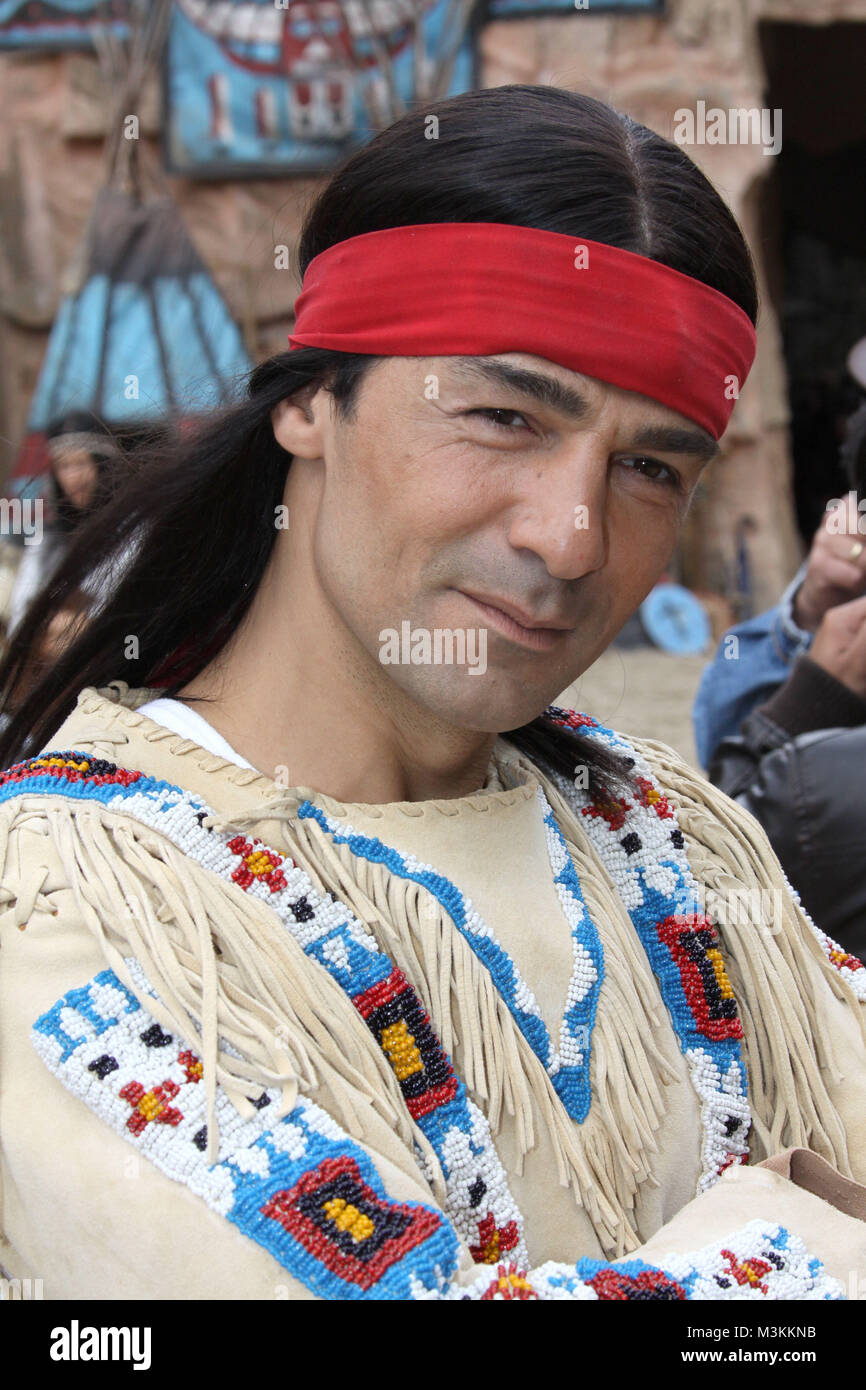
(676, 439)
(546, 389)
(550, 391)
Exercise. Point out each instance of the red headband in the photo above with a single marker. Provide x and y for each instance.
(440, 289)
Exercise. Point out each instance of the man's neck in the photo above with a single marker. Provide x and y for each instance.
(296, 696)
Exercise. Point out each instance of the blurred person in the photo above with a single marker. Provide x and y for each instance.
(394, 979)
(781, 714)
(81, 450)
(797, 764)
(755, 658)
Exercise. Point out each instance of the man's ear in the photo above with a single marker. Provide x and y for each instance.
(299, 422)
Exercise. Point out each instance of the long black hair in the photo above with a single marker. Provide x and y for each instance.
(201, 509)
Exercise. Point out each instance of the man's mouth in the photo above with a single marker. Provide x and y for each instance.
(524, 629)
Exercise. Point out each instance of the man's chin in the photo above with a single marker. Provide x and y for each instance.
(491, 707)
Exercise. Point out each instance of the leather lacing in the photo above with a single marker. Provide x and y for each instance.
(284, 803)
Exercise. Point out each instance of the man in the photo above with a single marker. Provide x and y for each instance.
(780, 715)
(747, 672)
(376, 975)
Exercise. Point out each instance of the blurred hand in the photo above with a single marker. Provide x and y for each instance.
(834, 573)
(840, 644)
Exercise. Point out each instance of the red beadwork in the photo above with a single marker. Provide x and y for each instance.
(651, 796)
(493, 1240)
(686, 938)
(617, 1286)
(302, 1211)
(274, 877)
(165, 1114)
(510, 1283)
(748, 1272)
(191, 1065)
(608, 808)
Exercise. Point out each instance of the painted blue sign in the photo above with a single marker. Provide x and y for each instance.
(257, 87)
(58, 23)
(521, 9)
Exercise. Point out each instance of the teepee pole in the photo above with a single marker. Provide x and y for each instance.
(126, 68)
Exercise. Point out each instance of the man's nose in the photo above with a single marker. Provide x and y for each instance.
(561, 512)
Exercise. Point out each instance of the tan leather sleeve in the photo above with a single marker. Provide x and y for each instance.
(813, 1173)
(810, 1199)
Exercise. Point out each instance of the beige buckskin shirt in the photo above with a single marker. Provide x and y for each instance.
(259, 1043)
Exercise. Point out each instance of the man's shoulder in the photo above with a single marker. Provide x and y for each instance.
(108, 714)
(671, 766)
(100, 721)
(735, 864)
(107, 742)
(56, 809)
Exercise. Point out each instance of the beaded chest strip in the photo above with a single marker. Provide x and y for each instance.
(567, 1066)
(642, 849)
(306, 1191)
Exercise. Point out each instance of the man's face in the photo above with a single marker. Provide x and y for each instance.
(454, 488)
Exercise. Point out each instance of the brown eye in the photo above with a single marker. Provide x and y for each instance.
(494, 415)
(652, 469)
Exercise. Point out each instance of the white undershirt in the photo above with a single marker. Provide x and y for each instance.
(183, 720)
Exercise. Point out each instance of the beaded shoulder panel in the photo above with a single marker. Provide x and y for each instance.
(301, 1187)
(609, 813)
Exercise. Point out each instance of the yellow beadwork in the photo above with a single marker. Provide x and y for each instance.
(402, 1053)
(715, 957)
(259, 862)
(348, 1218)
(150, 1105)
(59, 762)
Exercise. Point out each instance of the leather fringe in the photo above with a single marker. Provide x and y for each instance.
(230, 979)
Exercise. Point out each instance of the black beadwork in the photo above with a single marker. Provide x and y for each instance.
(155, 1037)
(387, 1225)
(477, 1191)
(103, 1066)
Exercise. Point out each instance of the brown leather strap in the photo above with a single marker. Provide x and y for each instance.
(814, 1174)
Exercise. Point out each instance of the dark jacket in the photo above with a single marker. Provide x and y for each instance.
(799, 765)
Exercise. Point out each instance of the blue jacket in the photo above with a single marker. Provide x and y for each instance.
(752, 661)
